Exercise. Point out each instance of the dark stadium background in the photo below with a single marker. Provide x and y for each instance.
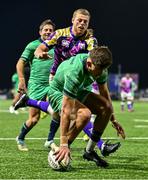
(120, 24)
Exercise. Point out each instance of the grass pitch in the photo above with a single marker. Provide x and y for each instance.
(129, 162)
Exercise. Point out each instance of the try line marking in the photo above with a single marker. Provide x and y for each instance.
(79, 138)
(26, 111)
(7, 111)
(140, 126)
(141, 120)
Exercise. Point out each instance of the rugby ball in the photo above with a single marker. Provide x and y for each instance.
(52, 162)
(64, 165)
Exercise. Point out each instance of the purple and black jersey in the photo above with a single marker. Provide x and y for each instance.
(67, 45)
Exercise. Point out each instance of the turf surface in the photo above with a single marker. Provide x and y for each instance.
(129, 162)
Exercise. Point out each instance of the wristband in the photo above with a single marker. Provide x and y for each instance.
(64, 145)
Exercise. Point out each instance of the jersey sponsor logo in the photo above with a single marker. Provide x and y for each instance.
(65, 43)
(81, 45)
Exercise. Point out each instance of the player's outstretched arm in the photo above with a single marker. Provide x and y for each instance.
(105, 92)
(42, 52)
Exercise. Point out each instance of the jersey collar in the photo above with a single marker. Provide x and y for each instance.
(41, 40)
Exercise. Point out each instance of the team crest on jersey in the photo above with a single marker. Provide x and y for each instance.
(65, 43)
(81, 45)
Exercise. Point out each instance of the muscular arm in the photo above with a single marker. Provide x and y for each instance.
(67, 106)
(20, 68)
(103, 89)
(64, 151)
(20, 71)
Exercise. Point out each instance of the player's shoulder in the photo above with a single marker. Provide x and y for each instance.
(34, 43)
(63, 31)
(82, 55)
(79, 60)
(90, 40)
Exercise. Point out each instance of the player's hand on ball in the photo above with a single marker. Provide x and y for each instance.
(63, 165)
(62, 153)
(118, 127)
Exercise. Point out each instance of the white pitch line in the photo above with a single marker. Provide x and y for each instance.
(79, 138)
(7, 111)
(141, 120)
(139, 112)
(4, 110)
(141, 126)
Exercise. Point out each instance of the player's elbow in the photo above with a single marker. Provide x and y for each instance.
(20, 64)
(108, 107)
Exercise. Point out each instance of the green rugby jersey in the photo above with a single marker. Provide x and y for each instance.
(40, 69)
(72, 76)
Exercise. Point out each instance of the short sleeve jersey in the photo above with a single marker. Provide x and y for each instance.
(72, 76)
(40, 69)
(67, 45)
(126, 84)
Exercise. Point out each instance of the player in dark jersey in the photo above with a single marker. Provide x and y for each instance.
(70, 98)
(69, 41)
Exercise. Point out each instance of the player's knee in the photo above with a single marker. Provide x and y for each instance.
(85, 114)
(35, 119)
